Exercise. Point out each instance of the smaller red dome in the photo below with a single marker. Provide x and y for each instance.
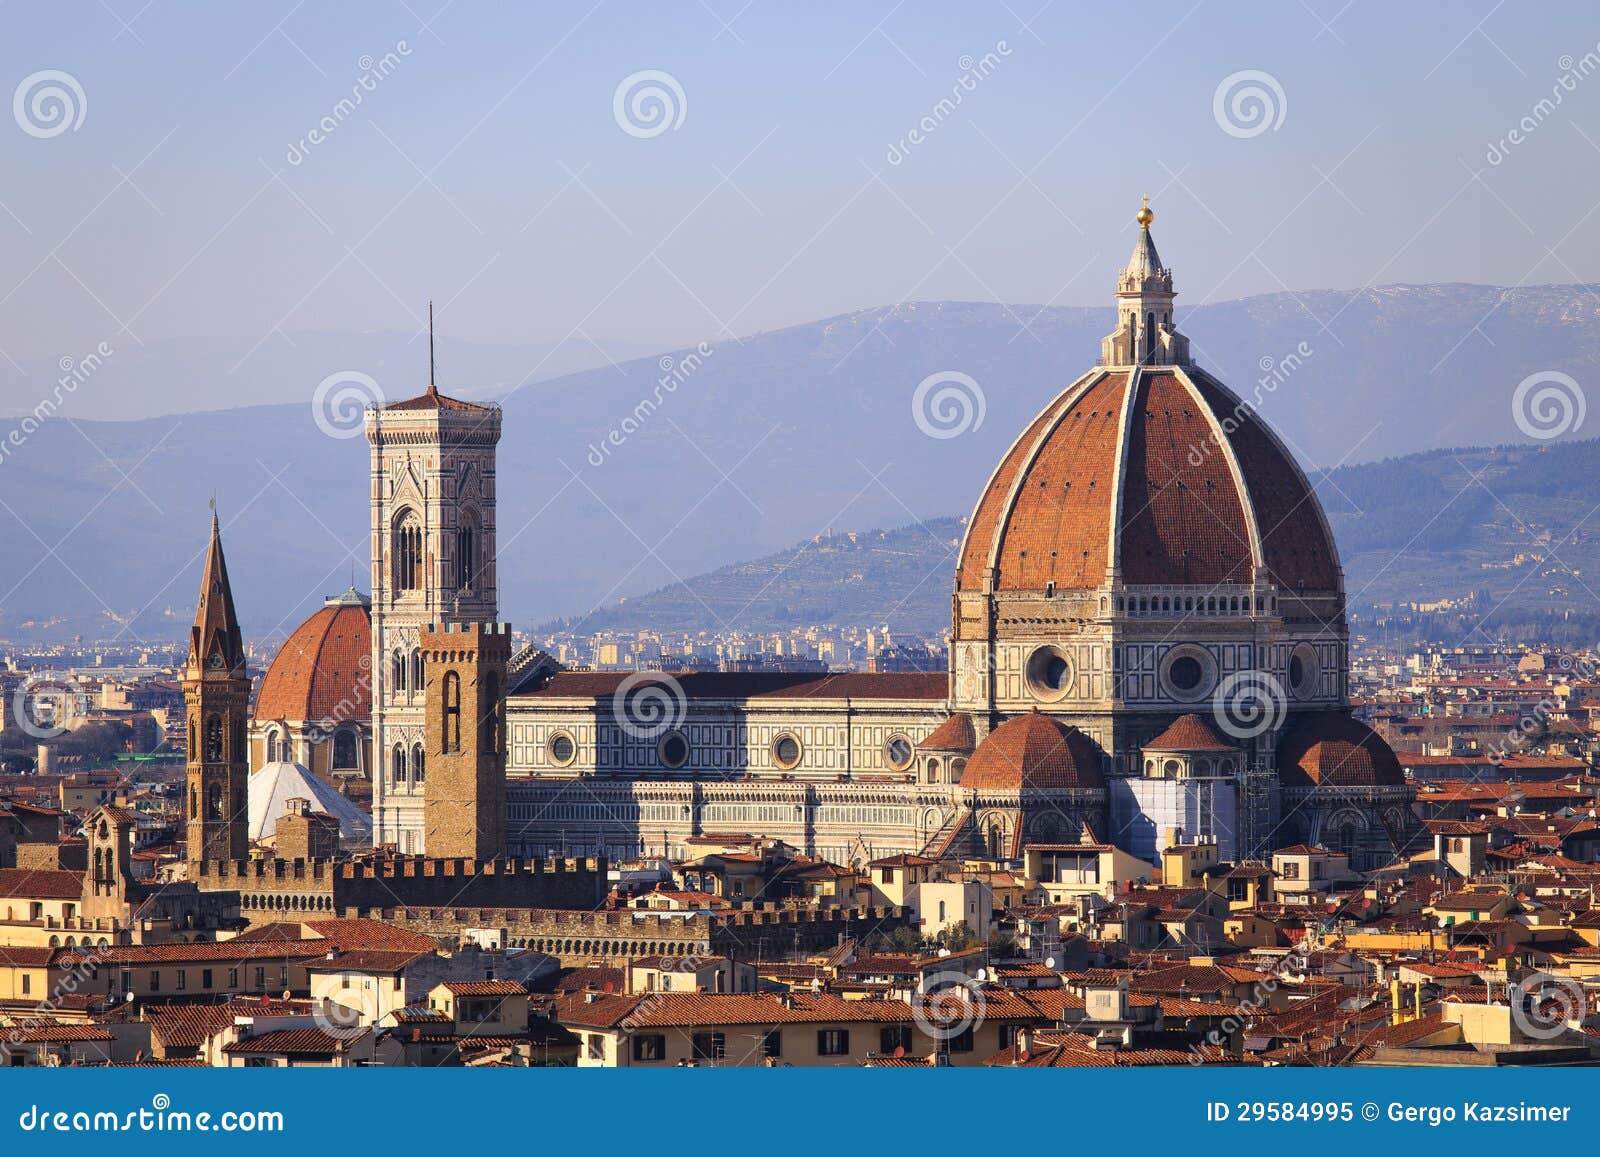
(954, 734)
(322, 671)
(1189, 733)
(1034, 752)
(1334, 749)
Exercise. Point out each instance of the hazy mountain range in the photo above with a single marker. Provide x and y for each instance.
(1498, 537)
(754, 445)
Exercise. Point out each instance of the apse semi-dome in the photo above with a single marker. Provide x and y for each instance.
(1034, 752)
(1331, 749)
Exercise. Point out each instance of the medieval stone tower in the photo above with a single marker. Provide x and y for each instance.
(216, 691)
(109, 883)
(465, 704)
(433, 562)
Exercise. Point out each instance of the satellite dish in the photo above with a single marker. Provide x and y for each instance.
(1050, 962)
(983, 974)
(899, 1050)
(130, 998)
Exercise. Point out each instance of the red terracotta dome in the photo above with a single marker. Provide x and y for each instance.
(1190, 733)
(1157, 470)
(1334, 749)
(1036, 752)
(323, 669)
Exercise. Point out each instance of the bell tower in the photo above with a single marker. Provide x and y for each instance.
(433, 562)
(465, 701)
(216, 692)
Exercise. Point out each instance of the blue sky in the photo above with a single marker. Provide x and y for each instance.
(487, 171)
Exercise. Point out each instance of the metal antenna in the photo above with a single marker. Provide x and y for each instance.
(431, 381)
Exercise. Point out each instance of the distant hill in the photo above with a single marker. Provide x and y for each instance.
(1502, 534)
(771, 440)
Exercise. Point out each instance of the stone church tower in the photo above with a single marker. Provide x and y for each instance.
(433, 562)
(465, 702)
(216, 691)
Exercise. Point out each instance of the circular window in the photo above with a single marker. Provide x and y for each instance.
(1049, 673)
(1189, 673)
(673, 749)
(562, 749)
(1304, 671)
(898, 752)
(786, 751)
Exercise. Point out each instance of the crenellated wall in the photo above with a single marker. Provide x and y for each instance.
(279, 889)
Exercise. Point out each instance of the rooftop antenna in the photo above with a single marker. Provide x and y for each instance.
(431, 380)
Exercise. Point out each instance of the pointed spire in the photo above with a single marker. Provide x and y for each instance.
(432, 385)
(216, 625)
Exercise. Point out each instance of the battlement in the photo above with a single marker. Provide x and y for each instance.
(457, 642)
(579, 937)
(395, 868)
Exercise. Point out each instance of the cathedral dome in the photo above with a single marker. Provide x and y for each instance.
(322, 671)
(1149, 471)
(1334, 749)
(1037, 753)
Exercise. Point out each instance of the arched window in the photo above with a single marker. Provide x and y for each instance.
(274, 752)
(194, 802)
(418, 769)
(452, 712)
(489, 716)
(406, 552)
(416, 671)
(397, 765)
(214, 802)
(397, 672)
(344, 749)
(193, 749)
(467, 544)
(213, 739)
